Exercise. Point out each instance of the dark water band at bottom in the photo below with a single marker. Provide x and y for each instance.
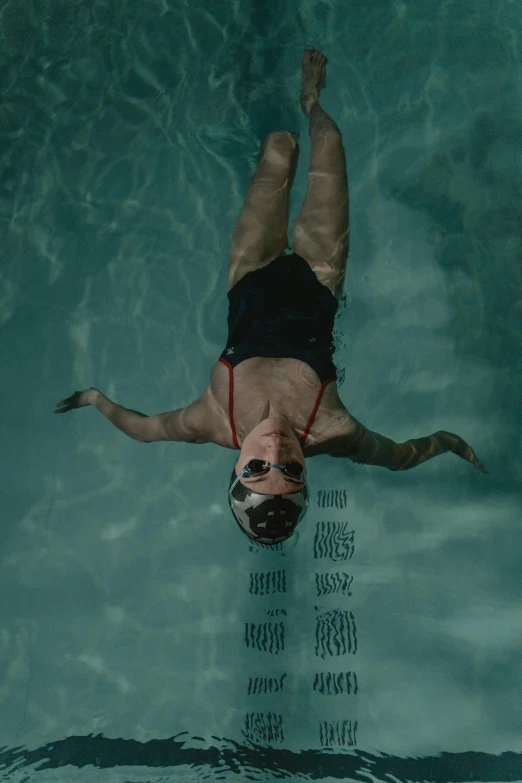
(104, 753)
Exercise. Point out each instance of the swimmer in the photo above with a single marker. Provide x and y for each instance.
(273, 395)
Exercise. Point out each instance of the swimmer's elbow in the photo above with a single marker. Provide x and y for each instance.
(172, 425)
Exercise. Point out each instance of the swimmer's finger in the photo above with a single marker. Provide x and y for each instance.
(463, 450)
(77, 400)
(66, 405)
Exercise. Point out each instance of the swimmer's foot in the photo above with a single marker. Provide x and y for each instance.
(313, 75)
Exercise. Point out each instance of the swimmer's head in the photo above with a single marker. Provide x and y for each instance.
(268, 503)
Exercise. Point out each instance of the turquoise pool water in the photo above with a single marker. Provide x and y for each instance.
(141, 636)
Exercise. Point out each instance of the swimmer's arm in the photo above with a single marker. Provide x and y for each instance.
(370, 448)
(184, 424)
(134, 424)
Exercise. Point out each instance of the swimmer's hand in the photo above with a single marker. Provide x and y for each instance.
(77, 400)
(460, 448)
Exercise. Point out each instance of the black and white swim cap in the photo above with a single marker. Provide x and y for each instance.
(267, 519)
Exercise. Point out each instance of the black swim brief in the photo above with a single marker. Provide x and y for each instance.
(282, 310)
